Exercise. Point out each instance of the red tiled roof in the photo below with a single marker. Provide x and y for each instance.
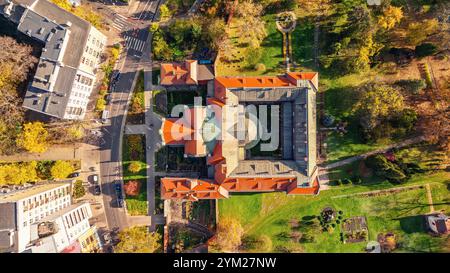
(178, 74)
(174, 131)
(193, 189)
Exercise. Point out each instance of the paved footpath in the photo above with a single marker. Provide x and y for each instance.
(66, 152)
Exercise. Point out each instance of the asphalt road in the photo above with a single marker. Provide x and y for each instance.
(110, 150)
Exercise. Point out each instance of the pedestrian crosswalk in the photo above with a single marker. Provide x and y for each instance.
(119, 22)
(133, 43)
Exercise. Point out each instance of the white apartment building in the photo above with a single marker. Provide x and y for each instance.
(72, 50)
(21, 209)
(56, 232)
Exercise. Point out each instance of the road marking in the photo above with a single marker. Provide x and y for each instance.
(144, 9)
(134, 43)
(120, 15)
(116, 26)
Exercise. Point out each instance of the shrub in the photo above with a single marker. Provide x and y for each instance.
(386, 169)
(328, 120)
(406, 119)
(78, 189)
(100, 105)
(428, 76)
(134, 167)
(260, 67)
(425, 49)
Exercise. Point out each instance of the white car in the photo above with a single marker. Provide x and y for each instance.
(95, 179)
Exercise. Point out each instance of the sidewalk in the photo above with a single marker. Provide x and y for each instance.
(57, 152)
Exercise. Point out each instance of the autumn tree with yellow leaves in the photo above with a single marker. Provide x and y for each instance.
(33, 137)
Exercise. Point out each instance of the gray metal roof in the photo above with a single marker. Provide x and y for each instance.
(298, 129)
(8, 216)
(64, 37)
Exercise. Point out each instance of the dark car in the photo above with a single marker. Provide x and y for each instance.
(118, 188)
(97, 190)
(120, 202)
(73, 175)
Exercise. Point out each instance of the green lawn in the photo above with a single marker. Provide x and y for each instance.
(271, 57)
(269, 213)
(137, 205)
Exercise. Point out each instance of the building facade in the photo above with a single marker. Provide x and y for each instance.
(41, 219)
(72, 48)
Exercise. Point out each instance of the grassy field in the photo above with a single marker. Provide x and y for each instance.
(400, 213)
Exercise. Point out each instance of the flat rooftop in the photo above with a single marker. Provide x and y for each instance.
(18, 195)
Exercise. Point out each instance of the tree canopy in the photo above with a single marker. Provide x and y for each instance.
(138, 240)
(61, 169)
(228, 235)
(376, 102)
(390, 17)
(33, 137)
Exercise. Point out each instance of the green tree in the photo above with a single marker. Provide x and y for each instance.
(377, 102)
(215, 33)
(33, 137)
(78, 189)
(386, 169)
(134, 167)
(425, 49)
(61, 169)
(138, 240)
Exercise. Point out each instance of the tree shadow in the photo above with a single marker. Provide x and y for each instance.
(412, 224)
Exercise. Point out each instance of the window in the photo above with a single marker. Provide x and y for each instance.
(25, 224)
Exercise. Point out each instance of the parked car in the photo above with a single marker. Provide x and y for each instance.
(97, 190)
(120, 202)
(105, 116)
(118, 187)
(73, 175)
(108, 99)
(94, 179)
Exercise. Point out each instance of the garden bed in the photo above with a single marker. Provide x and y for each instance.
(160, 102)
(171, 159)
(133, 150)
(136, 109)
